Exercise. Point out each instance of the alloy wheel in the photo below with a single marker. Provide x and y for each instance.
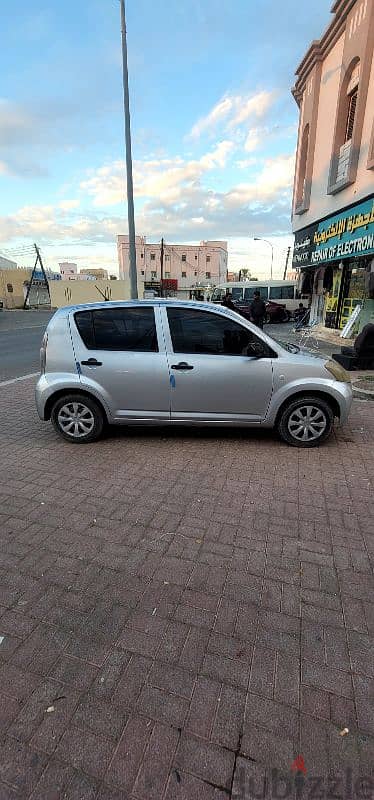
(76, 420)
(307, 423)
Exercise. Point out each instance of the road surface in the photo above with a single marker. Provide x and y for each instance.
(21, 333)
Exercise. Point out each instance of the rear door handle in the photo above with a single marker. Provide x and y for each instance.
(182, 365)
(92, 362)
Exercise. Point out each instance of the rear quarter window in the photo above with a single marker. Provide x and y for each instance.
(84, 323)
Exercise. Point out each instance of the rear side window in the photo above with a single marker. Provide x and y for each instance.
(118, 329)
(281, 293)
(249, 290)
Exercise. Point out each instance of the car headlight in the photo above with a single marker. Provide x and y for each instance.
(339, 373)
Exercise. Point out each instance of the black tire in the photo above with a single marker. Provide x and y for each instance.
(267, 319)
(287, 421)
(285, 316)
(92, 420)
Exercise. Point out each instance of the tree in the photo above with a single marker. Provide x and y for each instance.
(245, 275)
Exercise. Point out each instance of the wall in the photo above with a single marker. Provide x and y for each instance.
(69, 293)
(16, 278)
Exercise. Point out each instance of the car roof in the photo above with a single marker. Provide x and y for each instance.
(156, 301)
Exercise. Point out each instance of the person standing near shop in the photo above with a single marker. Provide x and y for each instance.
(257, 310)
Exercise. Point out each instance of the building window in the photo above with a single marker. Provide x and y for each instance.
(195, 273)
(141, 255)
(195, 256)
(167, 257)
(207, 274)
(351, 115)
(184, 257)
(153, 256)
(207, 259)
(167, 274)
(142, 272)
(348, 130)
(301, 183)
(184, 274)
(9, 288)
(153, 275)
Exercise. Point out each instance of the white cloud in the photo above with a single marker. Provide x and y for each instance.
(255, 106)
(253, 140)
(275, 177)
(164, 179)
(218, 113)
(68, 205)
(233, 111)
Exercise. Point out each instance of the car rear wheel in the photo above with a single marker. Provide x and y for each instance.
(306, 422)
(77, 418)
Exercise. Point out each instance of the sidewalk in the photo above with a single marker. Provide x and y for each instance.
(182, 611)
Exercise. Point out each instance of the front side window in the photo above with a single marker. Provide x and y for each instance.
(118, 329)
(205, 333)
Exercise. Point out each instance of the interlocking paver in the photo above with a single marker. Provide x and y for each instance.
(207, 617)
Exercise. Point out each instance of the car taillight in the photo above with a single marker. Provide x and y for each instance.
(43, 353)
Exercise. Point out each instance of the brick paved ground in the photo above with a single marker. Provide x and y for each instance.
(197, 608)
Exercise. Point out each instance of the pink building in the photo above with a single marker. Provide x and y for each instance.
(192, 267)
(333, 204)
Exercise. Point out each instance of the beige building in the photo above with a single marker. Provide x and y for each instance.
(186, 267)
(95, 272)
(333, 203)
(12, 286)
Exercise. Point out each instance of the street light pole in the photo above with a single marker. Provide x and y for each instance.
(259, 239)
(130, 190)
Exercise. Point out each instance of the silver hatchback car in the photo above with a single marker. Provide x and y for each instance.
(172, 362)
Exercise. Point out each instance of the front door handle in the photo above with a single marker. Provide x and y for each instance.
(182, 365)
(92, 362)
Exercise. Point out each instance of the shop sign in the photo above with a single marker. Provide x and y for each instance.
(349, 233)
(170, 284)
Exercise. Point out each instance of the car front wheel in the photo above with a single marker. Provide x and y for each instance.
(77, 418)
(306, 422)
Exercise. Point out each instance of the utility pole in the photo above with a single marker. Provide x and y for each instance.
(286, 264)
(40, 262)
(130, 190)
(162, 268)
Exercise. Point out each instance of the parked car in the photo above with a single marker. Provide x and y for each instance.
(275, 312)
(171, 362)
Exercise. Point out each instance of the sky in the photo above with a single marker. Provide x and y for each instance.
(214, 125)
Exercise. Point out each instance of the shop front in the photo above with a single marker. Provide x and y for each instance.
(336, 259)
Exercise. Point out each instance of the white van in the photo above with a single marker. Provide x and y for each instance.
(284, 292)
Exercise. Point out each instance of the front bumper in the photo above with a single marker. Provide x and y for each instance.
(344, 396)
